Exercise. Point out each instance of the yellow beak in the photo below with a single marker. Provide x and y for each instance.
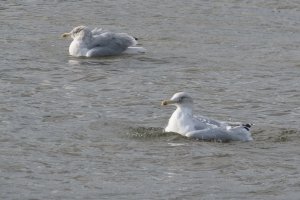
(167, 102)
(66, 35)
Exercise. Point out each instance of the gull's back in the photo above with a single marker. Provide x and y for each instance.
(114, 40)
(109, 43)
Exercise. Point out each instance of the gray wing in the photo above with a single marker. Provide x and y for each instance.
(221, 134)
(110, 44)
(203, 123)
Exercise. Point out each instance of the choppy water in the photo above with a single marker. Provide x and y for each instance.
(91, 128)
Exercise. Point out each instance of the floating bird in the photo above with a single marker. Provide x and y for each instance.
(185, 123)
(96, 43)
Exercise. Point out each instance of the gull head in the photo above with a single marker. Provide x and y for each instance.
(78, 32)
(179, 99)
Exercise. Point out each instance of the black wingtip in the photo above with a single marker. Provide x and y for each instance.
(247, 126)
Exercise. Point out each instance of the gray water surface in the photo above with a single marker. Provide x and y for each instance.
(74, 128)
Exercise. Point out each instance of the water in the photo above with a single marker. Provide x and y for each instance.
(91, 128)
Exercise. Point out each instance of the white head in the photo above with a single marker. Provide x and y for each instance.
(78, 32)
(179, 99)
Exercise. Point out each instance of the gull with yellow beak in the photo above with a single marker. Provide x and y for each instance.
(185, 123)
(95, 43)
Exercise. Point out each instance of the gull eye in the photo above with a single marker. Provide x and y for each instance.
(181, 99)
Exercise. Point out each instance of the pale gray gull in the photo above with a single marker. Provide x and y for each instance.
(96, 42)
(185, 123)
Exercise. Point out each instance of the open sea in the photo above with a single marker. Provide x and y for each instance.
(78, 128)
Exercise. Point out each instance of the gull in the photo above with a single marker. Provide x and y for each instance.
(97, 43)
(185, 123)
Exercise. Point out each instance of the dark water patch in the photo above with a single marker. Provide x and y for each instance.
(4, 109)
(92, 61)
(58, 118)
(286, 135)
(90, 78)
(212, 140)
(147, 132)
(14, 79)
(154, 60)
(276, 134)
